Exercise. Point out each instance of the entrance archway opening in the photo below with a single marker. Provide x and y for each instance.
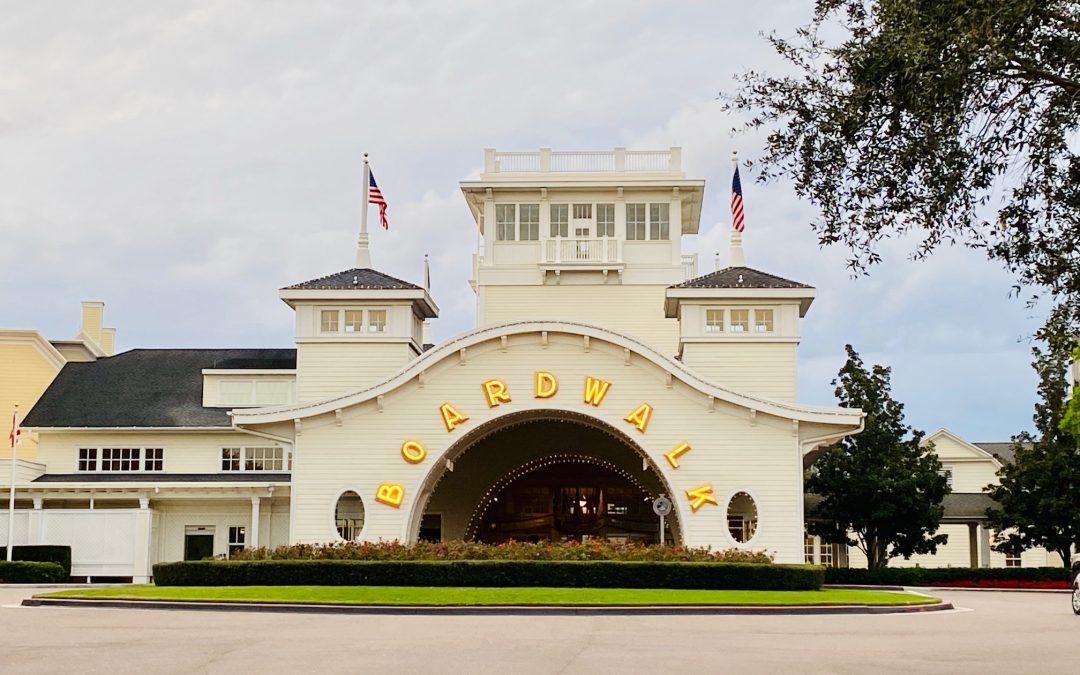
(545, 475)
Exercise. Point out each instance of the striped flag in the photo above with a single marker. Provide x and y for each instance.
(375, 197)
(16, 432)
(736, 202)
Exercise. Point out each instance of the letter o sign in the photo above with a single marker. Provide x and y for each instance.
(413, 452)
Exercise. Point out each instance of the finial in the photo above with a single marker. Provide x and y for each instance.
(427, 273)
(716, 262)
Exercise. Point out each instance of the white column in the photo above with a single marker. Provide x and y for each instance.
(984, 546)
(675, 227)
(489, 228)
(141, 568)
(253, 532)
(34, 533)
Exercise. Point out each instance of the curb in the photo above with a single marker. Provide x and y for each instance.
(933, 589)
(540, 610)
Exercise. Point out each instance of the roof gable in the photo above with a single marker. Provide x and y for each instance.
(949, 446)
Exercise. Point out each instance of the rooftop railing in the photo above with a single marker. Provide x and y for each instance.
(619, 160)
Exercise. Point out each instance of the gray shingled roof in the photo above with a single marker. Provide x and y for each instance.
(1003, 451)
(958, 505)
(357, 278)
(149, 477)
(740, 277)
(145, 388)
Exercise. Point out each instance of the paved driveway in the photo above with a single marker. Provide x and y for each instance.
(997, 632)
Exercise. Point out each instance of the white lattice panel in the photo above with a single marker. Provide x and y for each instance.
(102, 541)
(22, 527)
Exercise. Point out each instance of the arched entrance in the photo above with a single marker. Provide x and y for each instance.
(543, 474)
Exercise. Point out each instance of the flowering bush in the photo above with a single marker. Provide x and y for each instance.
(514, 550)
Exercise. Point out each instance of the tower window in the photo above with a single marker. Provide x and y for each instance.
(714, 321)
(740, 320)
(605, 220)
(560, 220)
(376, 320)
(658, 221)
(763, 320)
(354, 320)
(505, 217)
(328, 321)
(583, 211)
(530, 222)
(635, 222)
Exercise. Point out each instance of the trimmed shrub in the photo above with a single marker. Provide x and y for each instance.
(490, 573)
(514, 550)
(936, 576)
(23, 572)
(41, 553)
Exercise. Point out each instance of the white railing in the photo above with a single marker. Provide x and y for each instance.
(582, 251)
(689, 265)
(619, 160)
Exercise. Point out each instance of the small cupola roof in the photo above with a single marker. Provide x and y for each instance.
(738, 283)
(361, 284)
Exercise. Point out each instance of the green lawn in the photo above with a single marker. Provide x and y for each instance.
(442, 596)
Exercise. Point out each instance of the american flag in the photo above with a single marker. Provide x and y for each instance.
(16, 432)
(736, 202)
(375, 197)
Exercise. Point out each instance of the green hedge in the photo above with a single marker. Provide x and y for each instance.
(41, 553)
(924, 576)
(490, 573)
(24, 572)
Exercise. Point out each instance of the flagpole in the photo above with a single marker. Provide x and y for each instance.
(363, 253)
(11, 488)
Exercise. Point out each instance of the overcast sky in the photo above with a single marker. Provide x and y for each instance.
(183, 161)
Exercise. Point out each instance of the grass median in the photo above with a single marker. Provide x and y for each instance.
(466, 596)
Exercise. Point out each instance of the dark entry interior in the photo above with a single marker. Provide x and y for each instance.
(568, 498)
(546, 474)
(198, 546)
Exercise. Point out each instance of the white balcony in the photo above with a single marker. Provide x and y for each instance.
(689, 263)
(587, 252)
(620, 160)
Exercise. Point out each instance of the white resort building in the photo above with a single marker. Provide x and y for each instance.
(603, 372)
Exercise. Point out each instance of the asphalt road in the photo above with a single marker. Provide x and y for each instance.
(995, 632)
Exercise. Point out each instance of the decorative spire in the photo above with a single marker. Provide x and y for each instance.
(363, 253)
(736, 257)
(427, 273)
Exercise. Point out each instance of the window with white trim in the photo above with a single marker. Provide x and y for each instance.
(255, 391)
(635, 222)
(763, 321)
(714, 321)
(354, 320)
(153, 459)
(808, 549)
(505, 221)
(740, 320)
(237, 539)
(605, 220)
(1013, 559)
(946, 471)
(328, 321)
(659, 222)
(529, 225)
(560, 220)
(376, 322)
(87, 459)
(120, 460)
(260, 458)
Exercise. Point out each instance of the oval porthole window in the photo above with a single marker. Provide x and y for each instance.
(742, 517)
(349, 516)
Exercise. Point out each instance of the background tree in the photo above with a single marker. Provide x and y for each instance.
(950, 120)
(1039, 492)
(880, 491)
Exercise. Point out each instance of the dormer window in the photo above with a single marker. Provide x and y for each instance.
(763, 320)
(714, 321)
(740, 320)
(352, 321)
